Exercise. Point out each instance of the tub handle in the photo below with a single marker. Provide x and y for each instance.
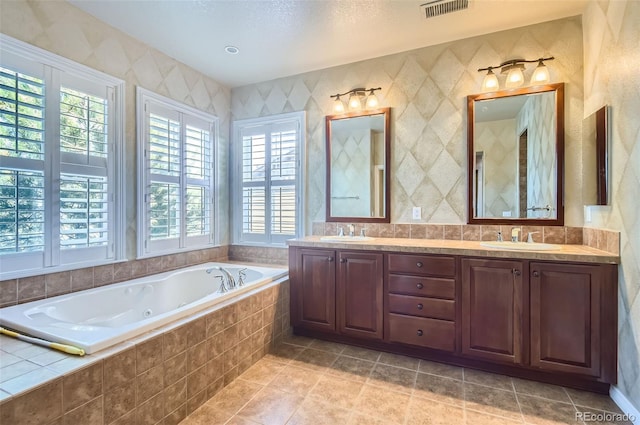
(223, 288)
(242, 274)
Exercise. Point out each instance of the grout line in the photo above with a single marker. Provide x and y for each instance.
(518, 401)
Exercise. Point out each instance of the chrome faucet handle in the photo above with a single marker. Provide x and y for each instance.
(500, 237)
(223, 288)
(340, 231)
(530, 237)
(362, 234)
(242, 274)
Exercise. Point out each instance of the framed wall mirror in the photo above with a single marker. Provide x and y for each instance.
(358, 146)
(516, 156)
(595, 158)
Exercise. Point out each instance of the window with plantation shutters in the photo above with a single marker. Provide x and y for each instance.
(176, 176)
(60, 134)
(267, 178)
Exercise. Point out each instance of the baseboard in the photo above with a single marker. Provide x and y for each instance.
(625, 405)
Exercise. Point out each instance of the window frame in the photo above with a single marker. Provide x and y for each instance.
(145, 101)
(269, 239)
(58, 72)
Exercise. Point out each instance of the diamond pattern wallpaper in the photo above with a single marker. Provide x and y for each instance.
(612, 61)
(426, 89)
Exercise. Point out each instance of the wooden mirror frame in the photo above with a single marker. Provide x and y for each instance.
(386, 112)
(558, 88)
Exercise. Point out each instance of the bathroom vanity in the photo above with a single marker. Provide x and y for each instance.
(549, 316)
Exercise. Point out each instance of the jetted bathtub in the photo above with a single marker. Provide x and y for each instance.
(98, 318)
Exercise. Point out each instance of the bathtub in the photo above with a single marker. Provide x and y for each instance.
(98, 318)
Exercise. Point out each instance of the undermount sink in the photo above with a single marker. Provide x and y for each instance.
(520, 246)
(346, 238)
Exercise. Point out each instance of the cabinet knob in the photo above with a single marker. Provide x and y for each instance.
(419, 264)
(420, 306)
(343, 260)
(517, 272)
(536, 274)
(419, 333)
(419, 286)
(329, 259)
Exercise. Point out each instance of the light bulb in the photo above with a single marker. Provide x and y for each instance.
(540, 74)
(354, 102)
(490, 82)
(515, 77)
(338, 106)
(372, 101)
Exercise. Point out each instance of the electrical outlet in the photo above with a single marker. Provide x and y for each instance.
(417, 213)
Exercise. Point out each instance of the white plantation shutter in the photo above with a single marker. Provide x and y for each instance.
(176, 147)
(59, 135)
(268, 154)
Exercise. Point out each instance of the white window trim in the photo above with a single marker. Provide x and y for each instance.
(236, 174)
(142, 97)
(35, 54)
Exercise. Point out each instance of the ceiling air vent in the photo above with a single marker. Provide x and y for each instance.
(441, 7)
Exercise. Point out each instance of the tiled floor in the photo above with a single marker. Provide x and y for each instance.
(306, 381)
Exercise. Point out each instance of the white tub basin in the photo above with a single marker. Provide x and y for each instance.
(521, 246)
(346, 238)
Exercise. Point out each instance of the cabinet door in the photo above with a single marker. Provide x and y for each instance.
(492, 302)
(360, 294)
(565, 317)
(313, 289)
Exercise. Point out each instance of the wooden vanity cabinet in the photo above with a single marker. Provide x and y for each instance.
(493, 303)
(337, 292)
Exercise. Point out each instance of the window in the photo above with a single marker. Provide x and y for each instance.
(61, 132)
(267, 178)
(176, 176)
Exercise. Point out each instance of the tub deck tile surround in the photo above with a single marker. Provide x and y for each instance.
(159, 377)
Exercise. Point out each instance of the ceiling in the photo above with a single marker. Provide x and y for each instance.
(278, 38)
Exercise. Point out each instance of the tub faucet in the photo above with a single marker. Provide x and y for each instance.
(242, 274)
(231, 282)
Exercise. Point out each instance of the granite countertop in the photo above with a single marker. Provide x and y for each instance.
(575, 253)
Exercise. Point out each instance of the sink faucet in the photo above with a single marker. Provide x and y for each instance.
(530, 237)
(515, 234)
(352, 230)
(231, 282)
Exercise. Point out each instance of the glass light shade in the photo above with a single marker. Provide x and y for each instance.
(540, 74)
(490, 82)
(515, 77)
(338, 106)
(354, 102)
(372, 101)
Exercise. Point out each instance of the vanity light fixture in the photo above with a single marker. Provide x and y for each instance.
(515, 77)
(355, 99)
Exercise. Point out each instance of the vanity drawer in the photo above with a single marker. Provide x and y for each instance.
(422, 264)
(422, 286)
(423, 307)
(432, 333)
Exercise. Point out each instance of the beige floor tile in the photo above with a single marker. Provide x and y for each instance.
(262, 372)
(421, 412)
(351, 368)
(540, 411)
(295, 380)
(331, 347)
(501, 382)
(382, 403)
(234, 396)
(315, 412)
(490, 400)
(284, 353)
(593, 400)
(207, 415)
(338, 392)
(302, 341)
(438, 388)
(399, 361)
(393, 378)
(239, 420)
(599, 417)
(358, 418)
(314, 359)
(540, 389)
(361, 353)
(478, 418)
(440, 369)
(271, 406)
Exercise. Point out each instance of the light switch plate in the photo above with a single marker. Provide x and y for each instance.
(417, 213)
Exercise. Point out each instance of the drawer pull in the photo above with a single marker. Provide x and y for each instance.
(536, 274)
(420, 306)
(419, 264)
(329, 259)
(419, 333)
(343, 260)
(419, 286)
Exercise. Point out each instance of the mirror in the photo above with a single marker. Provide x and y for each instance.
(595, 159)
(358, 147)
(516, 156)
